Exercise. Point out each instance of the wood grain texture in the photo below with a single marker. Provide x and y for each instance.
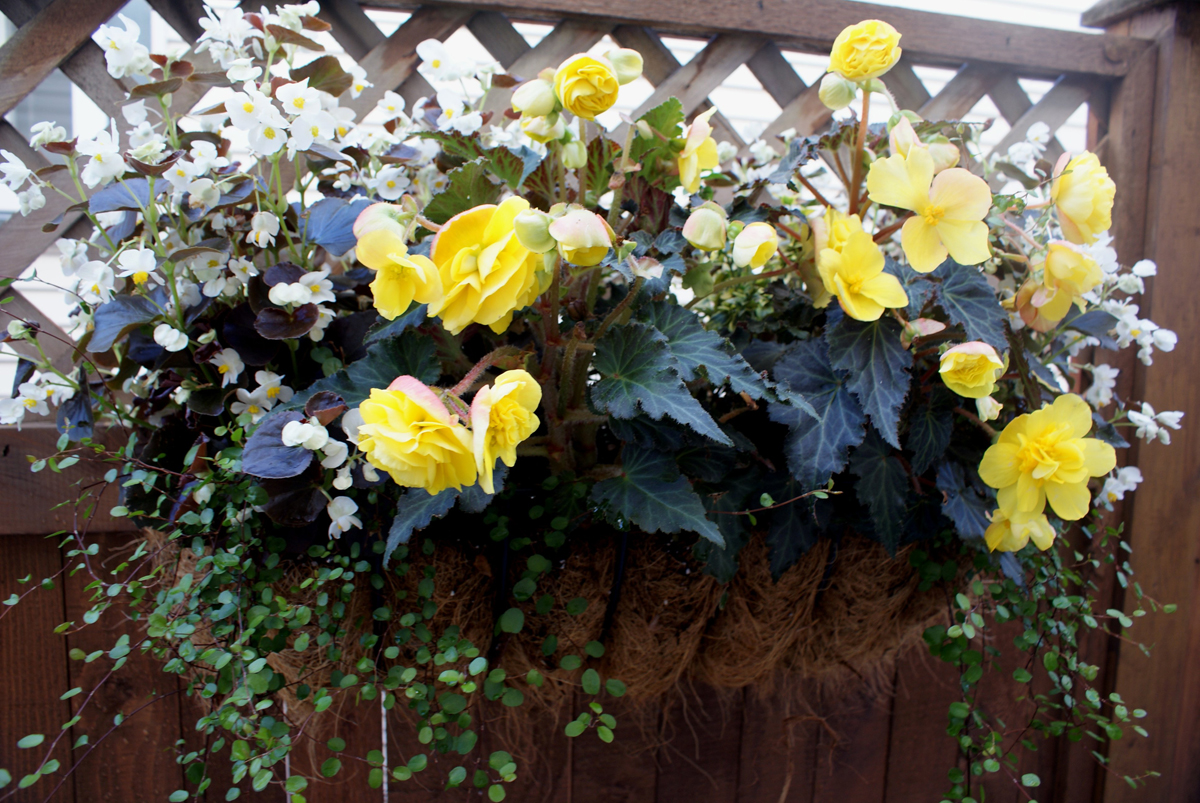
(905, 86)
(624, 771)
(700, 757)
(41, 494)
(1165, 515)
(814, 24)
(693, 82)
(352, 28)
(779, 741)
(1013, 104)
(33, 676)
(497, 34)
(1053, 109)
(852, 756)
(919, 752)
(776, 74)
(961, 93)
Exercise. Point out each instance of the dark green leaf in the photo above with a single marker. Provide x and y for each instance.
(590, 682)
(513, 165)
(414, 511)
(117, 317)
(75, 414)
(930, 429)
(25, 369)
(695, 347)
(466, 187)
(637, 370)
(817, 446)
(1104, 431)
(383, 328)
(512, 620)
(410, 354)
(969, 300)
(1095, 323)
(265, 454)
(651, 494)
(793, 530)
(964, 504)
(876, 366)
(882, 488)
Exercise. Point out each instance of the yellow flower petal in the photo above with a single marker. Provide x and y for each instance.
(902, 182)
(886, 290)
(858, 307)
(1070, 501)
(1099, 458)
(966, 241)
(999, 466)
(922, 245)
(961, 194)
(1073, 411)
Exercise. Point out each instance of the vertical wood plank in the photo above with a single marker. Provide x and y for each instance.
(700, 758)
(138, 759)
(920, 753)
(502, 40)
(776, 74)
(905, 86)
(360, 725)
(33, 663)
(780, 734)
(852, 758)
(962, 92)
(621, 772)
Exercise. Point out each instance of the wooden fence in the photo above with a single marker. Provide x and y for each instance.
(1141, 84)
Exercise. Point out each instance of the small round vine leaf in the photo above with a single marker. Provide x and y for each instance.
(330, 767)
(336, 744)
(512, 620)
(496, 793)
(591, 682)
(32, 740)
(574, 728)
(615, 687)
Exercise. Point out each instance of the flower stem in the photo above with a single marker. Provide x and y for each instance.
(581, 174)
(623, 165)
(858, 152)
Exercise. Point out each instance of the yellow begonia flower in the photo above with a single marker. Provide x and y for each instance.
(855, 275)
(400, 277)
(586, 86)
(971, 369)
(1083, 195)
(1066, 276)
(755, 245)
(1011, 535)
(831, 229)
(699, 151)
(407, 431)
(501, 417)
(583, 237)
(866, 50)
(706, 227)
(949, 209)
(1043, 456)
(486, 273)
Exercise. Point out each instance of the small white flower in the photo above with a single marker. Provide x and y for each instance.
(16, 329)
(763, 152)
(95, 282)
(33, 398)
(988, 408)
(324, 318)
(1128, 283)
(1151, 425)
(46, 132)
(311, 127)
(271, 386)
(391, 104)
(263, 228)
(284, 293)
(309, 434)
(438, 65)
(335, 453)
(1039, 133)
(170, 338)
(229, 365)
(139, 265)
(106, 162)
(123, 54)
(351, 421)
(242, 70)
(341, 512)
(204, 157)
(1126, 479)
(247, 107)
(270, 135)
(726, 151)
(1104, 381)
(1144, 268)
(72, 255)
(390, 183)
(31, 199)
(14, 170)
(243, 269)
(134, 113)
(369, 473)
(181, 174)
(256, 404)
(456, 115)
(203, 193)
(359, 81)
(343, 479)
(298, 98)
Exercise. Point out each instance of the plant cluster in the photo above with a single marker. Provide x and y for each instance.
(304, 338)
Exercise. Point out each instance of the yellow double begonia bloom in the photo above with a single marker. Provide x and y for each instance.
(866, 50)
(400, 277)
(855, 275)
(699, 151)
(949, 209)
(501, 417)
(586, 86)
(407, 431)
(1011, 535)
(1083, 195)
(1043, 456)
(1066, 276)
(486, 273)
(971, 369)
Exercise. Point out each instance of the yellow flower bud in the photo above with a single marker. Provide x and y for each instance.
(544, 129)
(583, 237)
(408, 432)
(535, 98)
(699, 151)
(971, 369)
(396, 218)
(988, 408)
(627, 63)
(755, 245)
(586, 86)
(574, 154)
(944, 152)
(866, 50)
(501, 417)
(1083, 196)
(533, 230)
(836, 92)
(903, 137)
(644, 130)
(705, 227)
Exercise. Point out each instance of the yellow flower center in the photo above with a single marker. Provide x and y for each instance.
(272, 392)
(269, 133)
(391, 184)
(1112, 497)
(224, 369)
(248, 107)
(933, 214)
(437, 63)
(31, 403)
(140, 277)
(252, 409)
(316, 131)
(298, 102)
(1041, 455)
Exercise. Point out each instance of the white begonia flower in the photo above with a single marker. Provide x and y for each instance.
(1104, 381)
(1039, 134)
(242, 269)
(46, 132)
(456, 115)
(1129, 283)
(229, 365)
(988, 408)
(228, 27)
(106, 162)
(343, 120)
(270, 134)
(14, 170)
(437, 64)
(335, 453)
(285, 293)
(352, 419)
(1144, 268)
(391, 104)
(726, 151)
(263, 228)
(181, 174)
(149, 152)
(309, 434)
(170, 338)
(134, 113)
(31, 200)
(762, 151)
(343, 479)
(1151, 336)
(123, 54)
(33, 398)
(256, 404)
(311, 127)
(72, 255)
(390, 182)
(369, 473)
(204, 156)
(203, 193)
(13, 412)
(95, 282)
(242, 70)
(341, 512)
(292, 16)
(247, 107)
(140, 265)
(16, 329)
(359, 81)
(298, 98)
(272, 387)
(324, 318)
(1151, 425)
(1127, 479)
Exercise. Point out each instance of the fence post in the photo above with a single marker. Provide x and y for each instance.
(1152, 148)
